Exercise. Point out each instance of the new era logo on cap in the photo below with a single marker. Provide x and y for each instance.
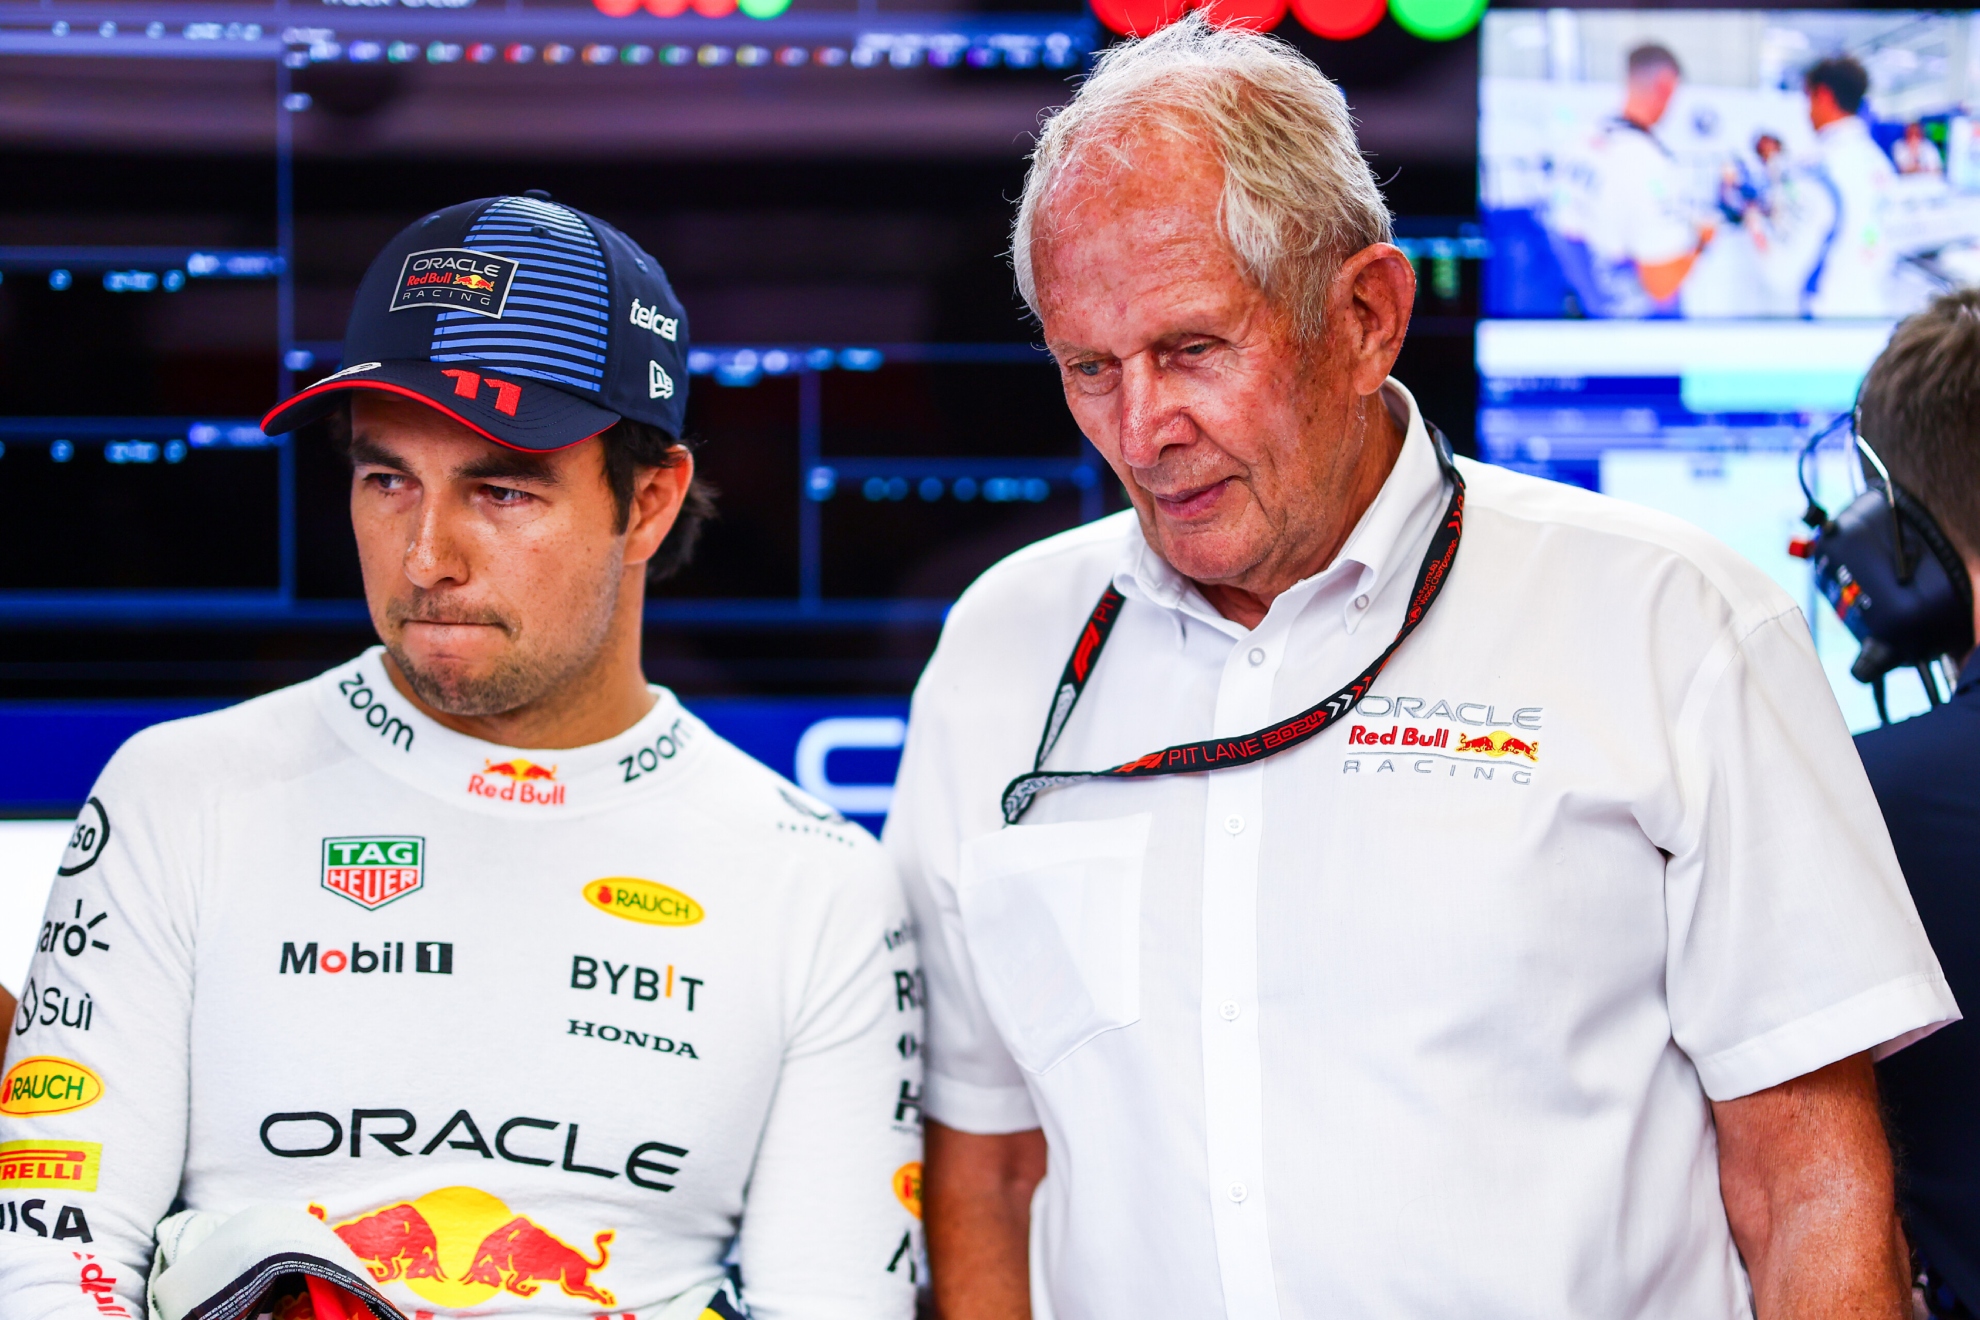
(459, 279)
(534, 324)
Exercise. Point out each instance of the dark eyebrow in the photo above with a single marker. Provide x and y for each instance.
(496, 465)
(509, 465)
(363, 449)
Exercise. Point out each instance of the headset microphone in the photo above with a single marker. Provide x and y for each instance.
(1894, 579)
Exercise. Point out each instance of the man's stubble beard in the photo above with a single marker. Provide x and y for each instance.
(524, 676)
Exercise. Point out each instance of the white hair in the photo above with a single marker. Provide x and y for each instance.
(1298, 196)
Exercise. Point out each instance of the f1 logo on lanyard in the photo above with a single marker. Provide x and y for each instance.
(1217, 753)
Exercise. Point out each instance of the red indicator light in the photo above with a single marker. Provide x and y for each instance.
(1339, 20)
(1257, 15)
(1138, 18)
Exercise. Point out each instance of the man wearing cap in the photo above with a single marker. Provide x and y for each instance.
(1365, 883)
(478, 951)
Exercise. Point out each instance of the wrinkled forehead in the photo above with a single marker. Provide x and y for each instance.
(1113, 167)
(1128, 237)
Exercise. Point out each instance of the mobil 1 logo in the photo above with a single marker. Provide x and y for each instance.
(372, 870)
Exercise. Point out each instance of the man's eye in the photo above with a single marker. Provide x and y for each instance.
(1087, 368)
(506, 494)
(1196, 350)
(387, 480)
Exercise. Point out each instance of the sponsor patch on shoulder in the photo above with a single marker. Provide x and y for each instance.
(809, 807)
(87, 840)
(70, 1166)
(45, 1084)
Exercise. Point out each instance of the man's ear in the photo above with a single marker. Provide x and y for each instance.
(1373, 295)
(657, 496)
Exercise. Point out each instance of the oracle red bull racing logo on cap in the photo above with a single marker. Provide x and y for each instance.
(457, 279)
(373, 870)
(460, 1246)
(646, 901)
(529, 783)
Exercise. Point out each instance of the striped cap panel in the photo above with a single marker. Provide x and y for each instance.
(554, 324)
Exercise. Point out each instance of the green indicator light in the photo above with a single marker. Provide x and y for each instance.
(763, 8)
(1437, 20)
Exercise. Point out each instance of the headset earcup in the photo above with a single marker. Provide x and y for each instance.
(1918, 519)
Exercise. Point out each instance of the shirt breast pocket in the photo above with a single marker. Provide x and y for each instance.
(1052, 918)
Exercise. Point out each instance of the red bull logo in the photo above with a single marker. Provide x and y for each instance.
(460, 1246)
(1499, 744)
(520, 769)
(528, 782)
(475, 282)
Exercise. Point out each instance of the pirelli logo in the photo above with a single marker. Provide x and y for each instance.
(65, 1165)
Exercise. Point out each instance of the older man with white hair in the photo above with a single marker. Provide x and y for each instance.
(1371, 883)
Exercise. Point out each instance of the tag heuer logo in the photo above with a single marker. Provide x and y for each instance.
(457, 279)
(372, 871)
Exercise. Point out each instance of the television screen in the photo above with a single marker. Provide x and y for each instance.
(1727, 163)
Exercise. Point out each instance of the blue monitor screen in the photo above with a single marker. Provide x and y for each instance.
(1727, 164)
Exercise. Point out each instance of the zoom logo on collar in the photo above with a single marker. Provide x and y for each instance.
(460, 279)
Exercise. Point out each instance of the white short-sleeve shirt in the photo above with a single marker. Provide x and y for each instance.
(1424, 1016)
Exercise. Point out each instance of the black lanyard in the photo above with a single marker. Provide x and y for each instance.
(1219, 753)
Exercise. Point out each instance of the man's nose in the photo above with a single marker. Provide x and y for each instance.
(433, 554)
(1149, 411)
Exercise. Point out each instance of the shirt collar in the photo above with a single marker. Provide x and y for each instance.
(374, 720)
(1381, 542)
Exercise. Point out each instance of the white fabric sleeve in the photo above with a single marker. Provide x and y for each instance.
(108, 1000)
(1793, 939)
(831, 1227)
(974, 1085)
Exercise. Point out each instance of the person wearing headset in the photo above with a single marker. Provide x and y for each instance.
(1920, 408)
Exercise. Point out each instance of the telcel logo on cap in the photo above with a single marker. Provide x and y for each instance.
(459, 279)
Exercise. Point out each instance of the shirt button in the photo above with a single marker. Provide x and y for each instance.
(1228, 1010)
(1234, 825)
(1257, 656)
(1361, 602)
(1239, 1191)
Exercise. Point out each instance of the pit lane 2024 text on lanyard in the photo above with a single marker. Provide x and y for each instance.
(1219, 753)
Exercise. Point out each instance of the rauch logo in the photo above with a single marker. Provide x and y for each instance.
(646, 901)
(47, 1085)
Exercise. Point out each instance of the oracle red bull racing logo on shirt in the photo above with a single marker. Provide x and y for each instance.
(1443, 739)
(528, 783)
(460, 1246)
(373, 870)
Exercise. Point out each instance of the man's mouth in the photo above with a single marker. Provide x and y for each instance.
(1193, 502)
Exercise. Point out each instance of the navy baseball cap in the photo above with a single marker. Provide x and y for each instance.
(534, 324)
